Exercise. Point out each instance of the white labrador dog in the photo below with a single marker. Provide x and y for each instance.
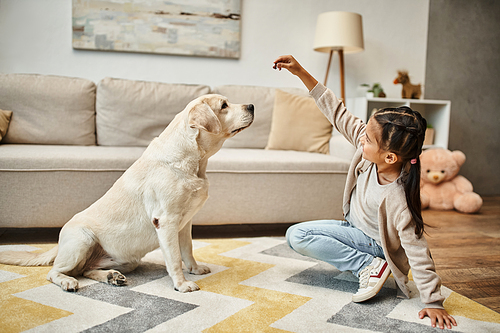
(150, 205)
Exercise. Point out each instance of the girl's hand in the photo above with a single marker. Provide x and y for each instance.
(440, 315)
(288, 62)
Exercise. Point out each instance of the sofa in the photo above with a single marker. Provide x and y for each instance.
(67, 140)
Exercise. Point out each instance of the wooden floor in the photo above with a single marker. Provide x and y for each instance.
(465, 247)
(466, 250)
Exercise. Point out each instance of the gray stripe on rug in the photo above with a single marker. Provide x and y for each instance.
(372, 315)
(148, 310)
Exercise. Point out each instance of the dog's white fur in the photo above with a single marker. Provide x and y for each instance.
(150, 205)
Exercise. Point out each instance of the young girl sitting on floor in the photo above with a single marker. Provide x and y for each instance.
(383, 231)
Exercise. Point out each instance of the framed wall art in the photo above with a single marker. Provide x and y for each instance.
(207, 28)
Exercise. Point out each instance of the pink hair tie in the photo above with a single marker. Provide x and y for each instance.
(413, 161)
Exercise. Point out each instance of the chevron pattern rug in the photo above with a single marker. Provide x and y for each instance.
(256, 285)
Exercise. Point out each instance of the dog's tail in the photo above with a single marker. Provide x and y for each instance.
(25, 258)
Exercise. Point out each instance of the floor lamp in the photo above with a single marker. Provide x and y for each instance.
(341, 32)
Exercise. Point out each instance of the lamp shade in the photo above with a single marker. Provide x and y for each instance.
(339, 31)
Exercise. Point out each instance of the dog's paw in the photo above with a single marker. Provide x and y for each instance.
(69, 284)
(200, 270)
(187, 287)
(116, 278)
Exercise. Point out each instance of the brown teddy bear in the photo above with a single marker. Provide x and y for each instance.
(441, 187)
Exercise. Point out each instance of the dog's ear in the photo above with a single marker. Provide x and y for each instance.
(203, 117)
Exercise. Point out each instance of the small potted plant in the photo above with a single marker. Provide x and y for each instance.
(375, 91)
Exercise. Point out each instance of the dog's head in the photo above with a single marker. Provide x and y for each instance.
(215, 116)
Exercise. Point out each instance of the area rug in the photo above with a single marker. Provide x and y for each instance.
(256, 285)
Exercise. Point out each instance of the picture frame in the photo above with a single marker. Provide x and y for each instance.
(205, 28)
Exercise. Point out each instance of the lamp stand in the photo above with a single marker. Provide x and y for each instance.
(328, 67)
(341, 64)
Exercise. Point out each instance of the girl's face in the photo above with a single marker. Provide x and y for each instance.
(370, 142)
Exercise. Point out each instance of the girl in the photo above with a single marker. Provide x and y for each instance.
(383, 231)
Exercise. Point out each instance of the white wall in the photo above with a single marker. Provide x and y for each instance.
(35, 37)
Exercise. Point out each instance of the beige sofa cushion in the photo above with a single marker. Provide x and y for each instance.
(274, 161)
(45, 185)
(4, 122)
(26, 158)
(132, 113)
(48, 109)
(257, 135)
(298, 124)
(273, 186)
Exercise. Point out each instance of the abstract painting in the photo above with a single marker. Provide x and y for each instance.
(207, 28)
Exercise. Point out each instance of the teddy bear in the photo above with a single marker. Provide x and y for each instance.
(441, 187)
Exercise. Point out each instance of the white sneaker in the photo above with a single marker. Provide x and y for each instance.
(371, 280)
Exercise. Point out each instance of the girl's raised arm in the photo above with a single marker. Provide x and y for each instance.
(347, 124)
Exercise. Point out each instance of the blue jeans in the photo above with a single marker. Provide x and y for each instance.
(335, 242)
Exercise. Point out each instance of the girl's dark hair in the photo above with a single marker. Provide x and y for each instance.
(403, 133)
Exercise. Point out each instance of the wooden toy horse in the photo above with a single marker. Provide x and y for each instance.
(409, 90)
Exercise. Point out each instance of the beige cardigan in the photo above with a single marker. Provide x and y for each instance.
(401, 246)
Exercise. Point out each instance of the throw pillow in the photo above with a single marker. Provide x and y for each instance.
(298, 124)
(4, 122)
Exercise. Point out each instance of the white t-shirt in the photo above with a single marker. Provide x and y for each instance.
(365, 202)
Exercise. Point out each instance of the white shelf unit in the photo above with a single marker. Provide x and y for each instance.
(436, 112)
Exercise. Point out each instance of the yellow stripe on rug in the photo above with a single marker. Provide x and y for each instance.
(269, 305)
(19, 314)
(458, 305)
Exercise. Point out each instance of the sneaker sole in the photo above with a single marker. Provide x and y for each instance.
(372, 293)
